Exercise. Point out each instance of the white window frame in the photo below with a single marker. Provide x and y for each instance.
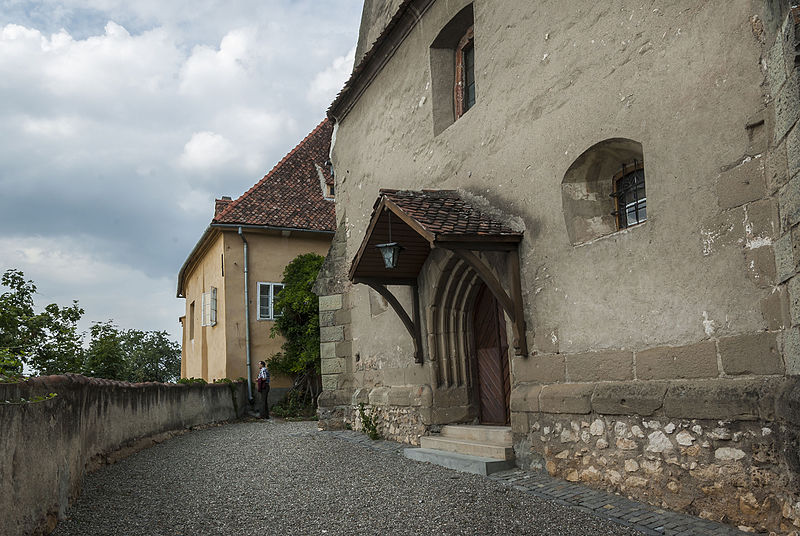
(209, 308)
(270, 306)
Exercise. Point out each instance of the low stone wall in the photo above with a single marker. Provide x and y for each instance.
(725, 450)
(46, 447)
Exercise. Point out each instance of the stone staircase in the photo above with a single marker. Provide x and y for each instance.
(472, 449)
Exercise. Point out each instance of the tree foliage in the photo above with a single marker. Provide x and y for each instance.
(50, 343)
(299, 324)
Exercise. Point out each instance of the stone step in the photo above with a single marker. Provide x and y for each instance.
(465, 463)
(466, 446)
(500, 435)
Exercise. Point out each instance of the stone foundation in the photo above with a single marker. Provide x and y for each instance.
(741, 470)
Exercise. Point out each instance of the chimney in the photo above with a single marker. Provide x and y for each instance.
(221, 204)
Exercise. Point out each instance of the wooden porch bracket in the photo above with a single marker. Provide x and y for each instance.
(413, 326)
(512, 305)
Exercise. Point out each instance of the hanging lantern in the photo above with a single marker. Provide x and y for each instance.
(390, 251)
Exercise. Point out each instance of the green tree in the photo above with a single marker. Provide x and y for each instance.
(19, 331)
(151, 356)
(47, 341)
(105, 357)
(60, 349)
(299, 325)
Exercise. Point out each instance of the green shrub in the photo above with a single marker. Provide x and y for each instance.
(192, 381)
(369, 422)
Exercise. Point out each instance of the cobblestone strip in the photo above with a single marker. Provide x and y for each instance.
(645, 518)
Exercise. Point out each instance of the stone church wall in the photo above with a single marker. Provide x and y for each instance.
(664, 358)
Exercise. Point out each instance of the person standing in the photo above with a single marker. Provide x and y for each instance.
(262, 384)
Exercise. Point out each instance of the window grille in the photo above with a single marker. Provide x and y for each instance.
(465, 73)
(630, 195)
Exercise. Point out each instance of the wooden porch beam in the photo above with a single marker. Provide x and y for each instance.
(520, 339)
(412, 327)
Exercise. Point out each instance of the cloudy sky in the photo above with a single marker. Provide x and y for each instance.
(121, 120)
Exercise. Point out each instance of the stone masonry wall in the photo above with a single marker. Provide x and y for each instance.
(46, 447)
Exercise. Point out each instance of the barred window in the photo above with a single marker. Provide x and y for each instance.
(630, 195)
(465, 73)
(267, 294)
(209, 308)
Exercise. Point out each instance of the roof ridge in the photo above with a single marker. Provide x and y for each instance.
(230, 207)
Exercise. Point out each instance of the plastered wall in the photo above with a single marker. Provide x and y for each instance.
(46, 447)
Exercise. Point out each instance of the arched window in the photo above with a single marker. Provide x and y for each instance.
(453, 84)
(603, 190)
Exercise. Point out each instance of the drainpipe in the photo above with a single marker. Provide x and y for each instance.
(246, 318)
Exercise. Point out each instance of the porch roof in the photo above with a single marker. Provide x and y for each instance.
(422, 220)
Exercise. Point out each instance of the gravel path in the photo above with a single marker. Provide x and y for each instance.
(288, 478)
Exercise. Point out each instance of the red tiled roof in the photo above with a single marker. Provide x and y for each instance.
(447, 212)
(290, 195)
(221, 204)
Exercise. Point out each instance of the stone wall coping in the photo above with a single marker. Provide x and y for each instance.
(766, 397)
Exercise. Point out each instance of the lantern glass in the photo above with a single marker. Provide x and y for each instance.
(390, 253)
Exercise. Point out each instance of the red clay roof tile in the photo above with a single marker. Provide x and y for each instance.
(290, 195)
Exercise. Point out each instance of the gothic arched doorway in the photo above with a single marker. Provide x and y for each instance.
(491, 364)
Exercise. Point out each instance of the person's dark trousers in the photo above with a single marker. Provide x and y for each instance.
(264, 404)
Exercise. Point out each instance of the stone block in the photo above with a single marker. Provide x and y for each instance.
(776, 70)
(330, 382)
(344, 349)
(677, 362)
(360, 396)
(379, 396)
(416, 375)
(332, 366)
(331, 334)
(327, 350)
(342, 316)
(791, 350)
(722, 398)
(400, 396)
(751, 354)
(788, 403)
(525, 397)
(742, 184)
(326, 319)
(330, 303)
(725, 229)
(763, 222)
(519, 423)
(567, 398)
(793, 152)
(339, 397)
(599, 366)
(775, 309)
(789, 201)
(793, 289)
(545, 340)
(540, 368)
(393, 376)
(787, 107)
(761, 266)
(785, 265)
(629, 398)
(777, 170)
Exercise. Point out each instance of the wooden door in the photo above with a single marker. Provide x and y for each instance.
(491, 348)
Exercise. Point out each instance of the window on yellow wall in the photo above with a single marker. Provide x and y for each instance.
(191, 321)
(267, 294)
(209, 310)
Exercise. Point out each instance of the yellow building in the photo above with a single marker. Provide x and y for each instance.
(240, 260)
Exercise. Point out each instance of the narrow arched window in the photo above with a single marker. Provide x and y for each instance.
(630, 195)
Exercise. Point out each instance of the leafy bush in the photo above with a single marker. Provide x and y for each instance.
(192, 381)
(369, 422)
(295, 406)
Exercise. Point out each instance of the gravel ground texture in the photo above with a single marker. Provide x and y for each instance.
(279, 477)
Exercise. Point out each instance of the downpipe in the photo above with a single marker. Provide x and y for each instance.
(247, 319)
